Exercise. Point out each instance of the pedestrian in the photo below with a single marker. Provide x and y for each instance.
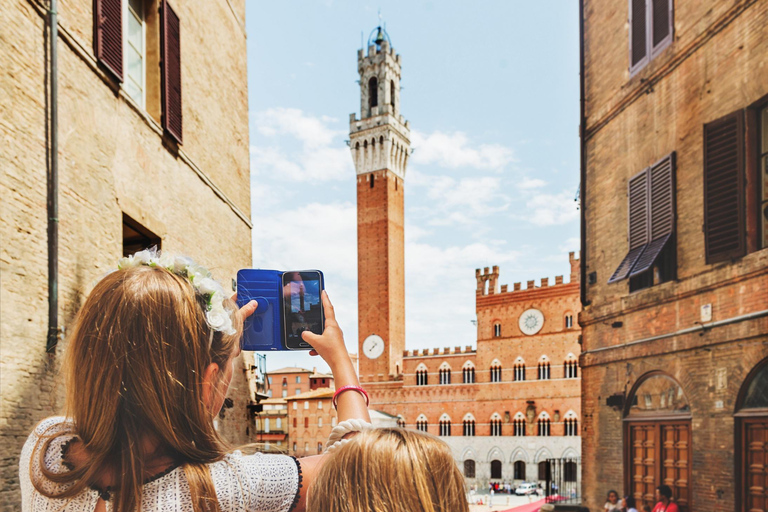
(148, 363)
(612, 505)
(628, 504)
(664, 501)
(390, 469)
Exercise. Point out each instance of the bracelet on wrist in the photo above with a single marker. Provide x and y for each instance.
(342, 389)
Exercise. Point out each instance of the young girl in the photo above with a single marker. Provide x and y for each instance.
(612, 505)
(149, 361)
(389, 469)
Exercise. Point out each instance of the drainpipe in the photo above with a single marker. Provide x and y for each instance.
(583, 162)
(53, 188)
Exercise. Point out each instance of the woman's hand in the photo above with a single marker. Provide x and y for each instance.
(330, 345)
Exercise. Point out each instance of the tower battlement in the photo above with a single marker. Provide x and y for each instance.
(488, 279)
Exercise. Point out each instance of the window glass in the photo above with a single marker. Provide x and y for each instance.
(306, 405)
(298, 379)
(659, 394)
(266, 424)
(134, 52)
(757, 392)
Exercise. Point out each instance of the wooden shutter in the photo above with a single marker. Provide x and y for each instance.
(638, 225)
(661, 200)
(170, 48)
(661, 25)
(724, 223)
(108, 35)
(638, 33)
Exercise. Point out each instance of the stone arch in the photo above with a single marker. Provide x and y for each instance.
(495, 416)
(674, 398)
(445, 366)
(421, 367)
(519, 416)
(569, 453)
(468, 417)
(444, 417)
(570, 415)
(468, 454)
(570, 357)
(544, 358)
(495, 453)
(519, 360)
(519, 454)
(542, 455)
(421, 417)
(495, 362)
(543, 415)
(468, 364)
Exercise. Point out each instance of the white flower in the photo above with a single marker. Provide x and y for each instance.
(142, 258)
(208, 286)
(219, 319)
(166, 261)
(180, 264)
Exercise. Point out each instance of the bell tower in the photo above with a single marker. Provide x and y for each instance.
(380, 145)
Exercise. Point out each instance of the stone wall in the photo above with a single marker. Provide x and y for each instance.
(113, 159)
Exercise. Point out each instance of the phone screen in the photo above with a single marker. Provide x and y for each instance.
(302, 309)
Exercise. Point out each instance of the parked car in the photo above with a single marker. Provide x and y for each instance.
(525, 489)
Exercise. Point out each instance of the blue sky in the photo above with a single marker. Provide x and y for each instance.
(491, 92)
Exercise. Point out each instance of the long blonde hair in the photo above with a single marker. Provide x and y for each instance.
(389, 470)
(134, 367)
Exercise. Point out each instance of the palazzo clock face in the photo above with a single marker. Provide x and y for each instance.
(373, 346)
(531, 321)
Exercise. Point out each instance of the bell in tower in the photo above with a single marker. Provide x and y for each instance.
(380, 145)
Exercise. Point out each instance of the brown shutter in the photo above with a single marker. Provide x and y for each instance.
(724, 229)
(661, 23)
(171, 63)
(108, 35)
(638, 225)
(638, 32)
(661, 214)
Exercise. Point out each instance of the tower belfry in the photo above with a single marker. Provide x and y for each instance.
(380, 145)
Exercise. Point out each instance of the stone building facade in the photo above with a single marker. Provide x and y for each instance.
(127, 176)
(506, 406)
(675, 270)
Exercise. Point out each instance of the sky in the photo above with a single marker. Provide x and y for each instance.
(491, 90)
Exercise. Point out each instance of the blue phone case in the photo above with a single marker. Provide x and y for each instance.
(262, 331)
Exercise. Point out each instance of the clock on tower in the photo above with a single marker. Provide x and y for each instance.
(380, 145)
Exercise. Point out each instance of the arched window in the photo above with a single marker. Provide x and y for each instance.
(357, 145)
(497, 330)
(496, 469)
(421, 375)
(445, 373)
(569, 320)
(392, 99)
(543, 424)
(571, 427)
(421, 423)
(569, 471)
(469, 468)
(752, 436)
(657, 427)
(445, 425)
(519, 470)
(306, 421)
(544, 471)
(544, 369)
(495, 425)
(495, 371)
(469, 425)
(519, 424)
(373, 92)
(400, 422)
(468, 373)
(571, 366)
(519, 369)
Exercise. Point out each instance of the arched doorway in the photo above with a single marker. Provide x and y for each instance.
(496, 469)
(657, 439)
(469, 468)
(752, 440)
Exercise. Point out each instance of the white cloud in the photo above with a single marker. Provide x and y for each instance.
(301, 147)
(552, 209)
(530, 183)
(453, 150)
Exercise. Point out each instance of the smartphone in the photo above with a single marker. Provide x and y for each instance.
(302, 307)
(289, 303)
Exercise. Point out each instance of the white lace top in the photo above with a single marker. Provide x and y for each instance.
(260, 482)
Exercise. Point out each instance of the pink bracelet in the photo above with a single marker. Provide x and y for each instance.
(350, 388)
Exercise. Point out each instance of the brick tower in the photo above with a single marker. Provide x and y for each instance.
(380, 147)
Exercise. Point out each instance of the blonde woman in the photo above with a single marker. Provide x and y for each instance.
(149, 361)
(389, 470)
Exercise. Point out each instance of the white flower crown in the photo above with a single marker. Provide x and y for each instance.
(217, 316)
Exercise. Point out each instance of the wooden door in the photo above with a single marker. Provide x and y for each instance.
(755, 464)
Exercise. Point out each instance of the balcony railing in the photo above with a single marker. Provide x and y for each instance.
(563, 483)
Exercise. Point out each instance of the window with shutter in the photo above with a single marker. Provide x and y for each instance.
(651, 225)
(171, 62)
(724, 230)
(650, 30)
(108, 35)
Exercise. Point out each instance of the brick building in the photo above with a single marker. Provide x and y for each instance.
(506, 406)
(311, 417)
(139, 164)
(288, 381)
(675, 270)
